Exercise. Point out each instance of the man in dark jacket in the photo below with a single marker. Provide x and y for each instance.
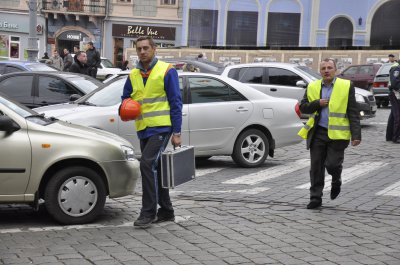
(93, 59)
(334, 122)
(79, 66)
(67, 60)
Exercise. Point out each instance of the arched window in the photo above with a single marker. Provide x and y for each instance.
(385, 25)
(340, 33)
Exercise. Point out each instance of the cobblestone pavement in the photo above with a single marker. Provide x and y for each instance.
(232, 215)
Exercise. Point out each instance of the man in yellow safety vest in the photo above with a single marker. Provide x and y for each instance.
(334, 121)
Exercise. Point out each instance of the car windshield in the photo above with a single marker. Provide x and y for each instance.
(107, 63)
(309, 72)
(107, 96)
(40, 67)
(86, 85)
(384, 70)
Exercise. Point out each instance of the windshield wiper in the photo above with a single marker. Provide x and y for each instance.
(86, 103)
(35, 116)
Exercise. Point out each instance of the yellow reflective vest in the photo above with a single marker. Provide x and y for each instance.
(155, 109)
(338, 122)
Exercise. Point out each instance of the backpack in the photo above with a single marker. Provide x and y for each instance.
(394, 74)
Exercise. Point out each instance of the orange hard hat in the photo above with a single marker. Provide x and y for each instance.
(129, 109)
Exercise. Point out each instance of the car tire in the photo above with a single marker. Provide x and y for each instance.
(75, 195)
(251, 148)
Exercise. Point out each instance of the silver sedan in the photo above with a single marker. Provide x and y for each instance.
(220, 117)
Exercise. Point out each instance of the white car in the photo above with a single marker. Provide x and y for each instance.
(220, 117)
(290, 81)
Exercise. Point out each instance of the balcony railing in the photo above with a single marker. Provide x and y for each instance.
(92, 7)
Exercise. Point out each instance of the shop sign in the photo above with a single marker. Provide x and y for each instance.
(72, 35)
(135, 31)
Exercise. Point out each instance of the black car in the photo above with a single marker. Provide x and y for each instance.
(36, 89)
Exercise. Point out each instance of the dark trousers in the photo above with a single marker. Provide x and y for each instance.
(393, 126)
(92, 71)
(325, 153)
(153, 193)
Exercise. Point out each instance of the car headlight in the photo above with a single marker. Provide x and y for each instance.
(129, 153)
(360, 98)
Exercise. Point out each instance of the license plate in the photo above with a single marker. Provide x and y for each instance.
(374, 108)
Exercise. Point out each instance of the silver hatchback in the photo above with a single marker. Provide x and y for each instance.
(70, 167)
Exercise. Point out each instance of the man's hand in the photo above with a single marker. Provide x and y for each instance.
(355, 142)
(323, 102)
(176, 140)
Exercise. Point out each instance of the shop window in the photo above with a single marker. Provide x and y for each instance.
(168, 2)
(203, 27)
(242, 28)
(283, 29)
(14, 47)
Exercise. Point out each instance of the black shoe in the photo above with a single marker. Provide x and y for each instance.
(164, 218)
(335, 190)
(144, 222)
(314, 204)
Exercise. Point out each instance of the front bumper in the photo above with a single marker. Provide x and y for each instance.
(122, 177)
(367, 110)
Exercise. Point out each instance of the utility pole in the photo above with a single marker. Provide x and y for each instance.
(32, 39)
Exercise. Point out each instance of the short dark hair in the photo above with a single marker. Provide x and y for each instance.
(79, 53)
(390, 55)
(90, 43)
(76, 46)
(327, 60)
(150, 39)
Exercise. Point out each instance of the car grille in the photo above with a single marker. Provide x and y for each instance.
(371, 98)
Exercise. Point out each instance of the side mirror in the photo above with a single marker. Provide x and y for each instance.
(100, 67)
(301, 83)
(74, 97)
(8, 125)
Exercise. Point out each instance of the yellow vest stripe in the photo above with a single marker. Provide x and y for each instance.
(153, 100)
(337, 115)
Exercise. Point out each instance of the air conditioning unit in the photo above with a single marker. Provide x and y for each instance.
(55, 4)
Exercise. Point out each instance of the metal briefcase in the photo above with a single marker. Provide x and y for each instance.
(177, 166)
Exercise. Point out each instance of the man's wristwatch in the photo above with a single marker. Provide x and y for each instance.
(176, 134)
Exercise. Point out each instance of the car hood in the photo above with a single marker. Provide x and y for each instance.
(63, 111)
(362, 92)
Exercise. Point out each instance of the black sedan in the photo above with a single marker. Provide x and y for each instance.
(36, 89)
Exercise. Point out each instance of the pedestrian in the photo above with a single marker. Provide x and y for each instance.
(391, 58)
(125, 65)
(67, 60)
(333, 123)
(200, 56)
(80, 64)
(76, 49)
(155, 84)
(393, 125)
(46, 56)
(56, 61)
(93, 59)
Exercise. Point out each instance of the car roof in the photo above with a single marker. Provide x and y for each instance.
(55, 73)
(22, 63)
(264, 64)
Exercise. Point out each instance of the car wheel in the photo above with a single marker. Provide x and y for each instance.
(385, 103)
(251, 148)
(75, 195)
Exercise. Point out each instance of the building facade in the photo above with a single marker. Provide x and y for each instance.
(14, 30)
(290, 23)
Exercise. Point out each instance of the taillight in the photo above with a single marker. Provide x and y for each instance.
(297, 109)
(380, 84)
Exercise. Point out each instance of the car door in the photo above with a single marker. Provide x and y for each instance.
(19, 88)
(15, 163)
(215, 114)
(283, 83)
(351, 73)
(52, 90)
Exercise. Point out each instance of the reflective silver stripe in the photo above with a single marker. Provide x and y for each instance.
(339, 128)
(153, 100)
(337, 115)
(307, 127)
(155, 113)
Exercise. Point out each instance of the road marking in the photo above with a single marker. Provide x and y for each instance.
(202, 172)
(350, 174)
(178, 219)
(392, 190)
(245, 191)
(270, 173)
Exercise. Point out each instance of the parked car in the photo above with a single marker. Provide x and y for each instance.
(35, 89)
(72, 168)
(22, 66)
(220, 117)
(362, 75)
(290, 81)
(380, 88)
(201, 65)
